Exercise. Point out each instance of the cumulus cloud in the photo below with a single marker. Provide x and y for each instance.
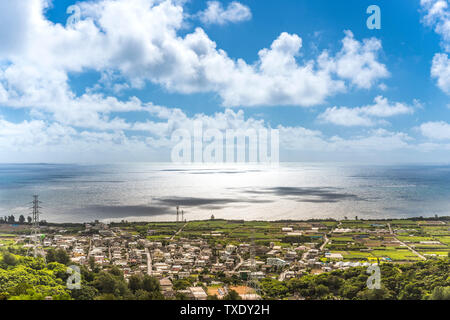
(438, 16)
(364, 116)
(138, 41)
(132, 42)
(440, 70)
(40, 140)
(215, 13)
(357, 61)
(436, 130)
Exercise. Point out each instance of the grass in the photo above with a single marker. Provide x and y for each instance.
(415, 238)
(396, 254)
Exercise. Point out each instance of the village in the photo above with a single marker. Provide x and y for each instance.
(210, 258)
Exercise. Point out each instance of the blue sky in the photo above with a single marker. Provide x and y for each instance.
(116, 83)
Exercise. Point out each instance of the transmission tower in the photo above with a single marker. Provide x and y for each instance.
(252, 281)
(35, 223)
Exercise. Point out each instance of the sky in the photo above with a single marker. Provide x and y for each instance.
(112, 80)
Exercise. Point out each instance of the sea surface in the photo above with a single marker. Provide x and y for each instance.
(151, 191)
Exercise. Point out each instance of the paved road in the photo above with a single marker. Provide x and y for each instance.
(325, 243)
(241, 261)
(411, 249)
(89, 250)
(149, 262)
(390, 229)
(176, 233)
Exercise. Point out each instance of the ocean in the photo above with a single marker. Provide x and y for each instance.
(151, 191)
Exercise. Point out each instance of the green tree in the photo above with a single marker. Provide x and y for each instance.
(62, 256)
(51, 255)
(150, 284)
(232, 295)
(9, 259)
(86, 292)
(135, 283)
(181, 284)
(440, 293)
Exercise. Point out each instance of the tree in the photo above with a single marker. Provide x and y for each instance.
(9, 259)
(181, 284)
(181, 296)
(51, 255)
(21, 219)
(115, 271)
(440, 293)
(150, 284)
(375, 294)
(11, 219)
(29, 220)
(60, 255)
(135, 283)
(105, 283)
(232, 295)
(85, 293)
(273, 288)
(91, 263)
(411, 292)
(142, 295)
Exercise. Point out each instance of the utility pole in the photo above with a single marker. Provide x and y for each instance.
(178, 213)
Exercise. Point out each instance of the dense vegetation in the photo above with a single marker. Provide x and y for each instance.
(28, 278)
(421, 280)
(25, 278)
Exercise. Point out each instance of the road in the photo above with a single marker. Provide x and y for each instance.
(241, 261)
(149, 262)
(411, 249)
(282, 276)
(176, 233)
(325, 243)
(89, 250)
(401, 242)
(390, 229)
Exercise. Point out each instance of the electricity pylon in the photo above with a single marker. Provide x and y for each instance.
(35, 231)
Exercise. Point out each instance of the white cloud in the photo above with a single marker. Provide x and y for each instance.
(436, 130)
(344, 116)
(40, 140)
(441, 71)
(215, 13)
(137, 41)
(364, 116)
(131, 42)
(357, 61)
(438, 15)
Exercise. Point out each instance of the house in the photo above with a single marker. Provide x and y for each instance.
(198, 293)
(165, 284)
(336, 256)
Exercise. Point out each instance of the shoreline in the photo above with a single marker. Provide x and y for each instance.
(49, 223)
